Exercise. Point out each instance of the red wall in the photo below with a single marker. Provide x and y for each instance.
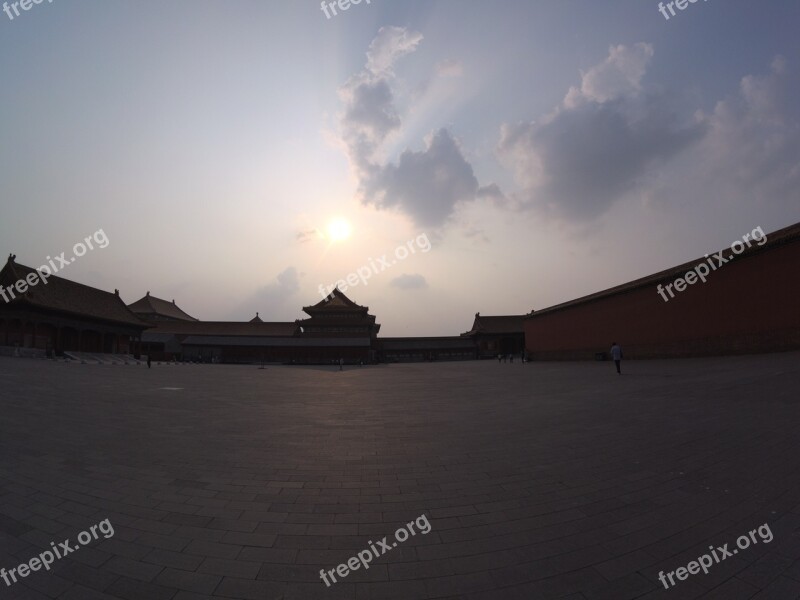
(752, 305)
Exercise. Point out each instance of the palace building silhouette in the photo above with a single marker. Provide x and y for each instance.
(749, 305)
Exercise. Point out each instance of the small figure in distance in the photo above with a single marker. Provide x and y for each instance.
(616, 356)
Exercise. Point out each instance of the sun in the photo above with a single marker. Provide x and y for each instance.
(339, 230)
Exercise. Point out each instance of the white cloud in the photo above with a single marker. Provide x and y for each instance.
(619, 75)
(449, 68)
(390, 44)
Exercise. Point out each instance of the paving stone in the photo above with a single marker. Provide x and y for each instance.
(188, 581)
(575, 484)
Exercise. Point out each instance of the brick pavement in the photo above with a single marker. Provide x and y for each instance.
(540, 481)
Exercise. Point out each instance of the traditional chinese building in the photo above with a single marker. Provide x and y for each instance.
(493, 335)
(155, 310)
(349, 328)
(61, 316)
(337, 329)
(221, 341)
(422, 349)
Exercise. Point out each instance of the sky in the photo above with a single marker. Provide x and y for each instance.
(448, 156)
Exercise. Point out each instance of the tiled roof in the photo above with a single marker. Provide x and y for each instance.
(496, 324)
(334, 321)
(336, 301)
(68, 297)
(225, 328)
(150, 305)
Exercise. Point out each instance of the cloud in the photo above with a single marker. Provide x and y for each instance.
(619, 75)
(426, 185)
(599, 143)
(476, 234)
(369, 117)
(307, 235)
(409, 282)
(493, 193)
(752, 150)
(275, 299)
(390, 44)
(286, 284)
(449, 68)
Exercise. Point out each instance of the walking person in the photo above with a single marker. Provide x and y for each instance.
(148, 361)
(616, 356)
(341, 364)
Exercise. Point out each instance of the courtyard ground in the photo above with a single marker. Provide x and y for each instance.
(544, 480)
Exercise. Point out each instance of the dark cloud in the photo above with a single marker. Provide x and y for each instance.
(286, 285)
(426, 185)
(596, 146)
(493, 193)
(584, 159)
(369, 117)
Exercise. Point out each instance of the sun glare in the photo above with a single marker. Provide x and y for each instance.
(339, 230)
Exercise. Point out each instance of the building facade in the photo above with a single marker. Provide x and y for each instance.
(493, 335)
(746, 305)
(426, 349)
(60, 316)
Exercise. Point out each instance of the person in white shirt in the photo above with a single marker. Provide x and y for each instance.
(616, 356)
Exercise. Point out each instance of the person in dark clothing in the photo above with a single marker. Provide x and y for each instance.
(616, 356)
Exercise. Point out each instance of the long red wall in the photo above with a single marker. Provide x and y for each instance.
(752, 305)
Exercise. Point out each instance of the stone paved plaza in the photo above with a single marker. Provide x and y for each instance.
(546, 480)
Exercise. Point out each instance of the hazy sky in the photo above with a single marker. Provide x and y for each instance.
(545, 149)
